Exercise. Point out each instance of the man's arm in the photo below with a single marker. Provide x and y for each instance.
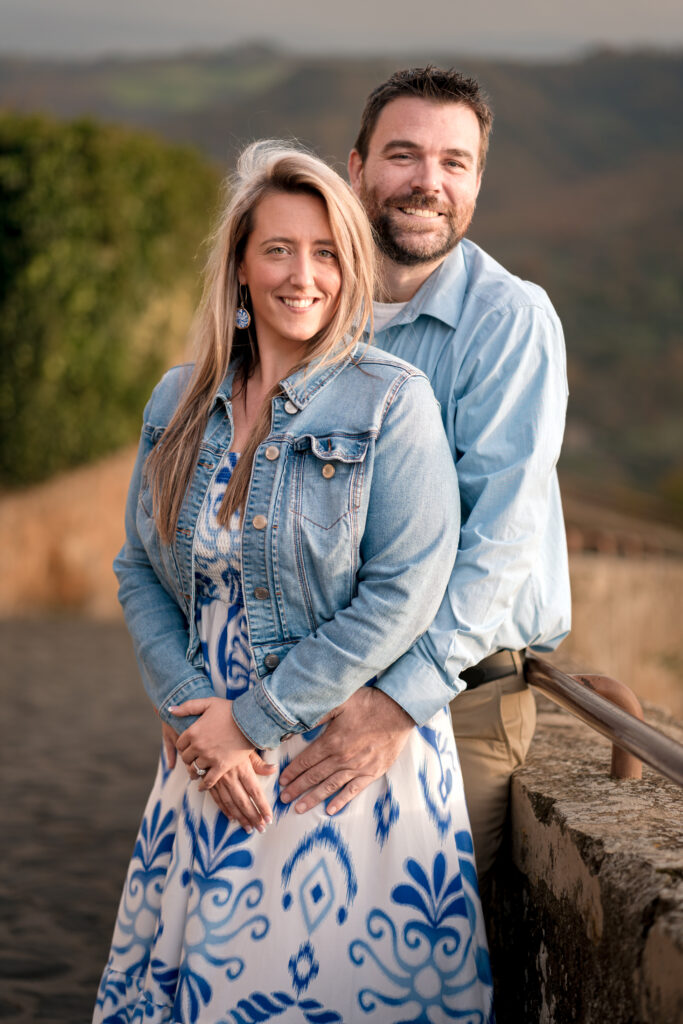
(509, 426)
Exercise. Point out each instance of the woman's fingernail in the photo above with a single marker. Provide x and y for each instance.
(173, 707)
(261, 828)
(268, 820)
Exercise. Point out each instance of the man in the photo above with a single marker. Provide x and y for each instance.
(492, 347)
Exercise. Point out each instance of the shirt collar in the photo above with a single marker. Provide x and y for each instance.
(441, 296)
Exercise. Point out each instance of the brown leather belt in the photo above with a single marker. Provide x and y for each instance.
(496, 666)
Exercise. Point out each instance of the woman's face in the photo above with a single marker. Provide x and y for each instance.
(291, 268)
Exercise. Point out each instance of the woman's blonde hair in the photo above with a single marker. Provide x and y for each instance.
(264, 168)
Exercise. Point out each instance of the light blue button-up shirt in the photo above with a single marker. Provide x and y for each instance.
(492, 347)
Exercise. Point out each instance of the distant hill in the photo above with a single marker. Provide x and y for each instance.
(582, 194)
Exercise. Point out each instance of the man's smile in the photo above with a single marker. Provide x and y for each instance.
(412, 211)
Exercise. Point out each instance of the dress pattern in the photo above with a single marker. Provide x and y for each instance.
(371, 915)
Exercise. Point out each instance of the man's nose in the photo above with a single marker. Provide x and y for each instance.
(426, 176)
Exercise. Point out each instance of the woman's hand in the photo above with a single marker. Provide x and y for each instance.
(231, 761)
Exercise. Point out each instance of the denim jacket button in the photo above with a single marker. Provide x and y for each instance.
(272, 453)
(261, 594)
(259, 522)
(290, 407)
(271, 661)
(328, 471)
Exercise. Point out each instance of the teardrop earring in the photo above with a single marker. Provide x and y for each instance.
(242, 317)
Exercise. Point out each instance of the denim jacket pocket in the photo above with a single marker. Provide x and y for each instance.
(328, 478)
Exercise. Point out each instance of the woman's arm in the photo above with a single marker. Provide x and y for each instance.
(157, 625)
(407, 553)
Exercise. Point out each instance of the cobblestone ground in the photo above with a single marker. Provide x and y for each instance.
(79, 744)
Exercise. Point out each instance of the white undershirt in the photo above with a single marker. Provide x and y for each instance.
(385, 311)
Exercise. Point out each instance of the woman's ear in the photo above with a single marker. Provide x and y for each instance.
(241, 276)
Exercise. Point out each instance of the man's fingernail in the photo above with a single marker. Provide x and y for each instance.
(332, 809)
(300, 808)
(285, 798)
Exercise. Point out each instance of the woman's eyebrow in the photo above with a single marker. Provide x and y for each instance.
(292, 241)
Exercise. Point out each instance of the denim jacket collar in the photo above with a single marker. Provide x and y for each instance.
(303, 385)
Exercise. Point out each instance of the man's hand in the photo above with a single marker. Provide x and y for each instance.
(169, 738)
(362, 740)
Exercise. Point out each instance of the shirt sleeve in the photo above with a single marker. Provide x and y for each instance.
(509, 424)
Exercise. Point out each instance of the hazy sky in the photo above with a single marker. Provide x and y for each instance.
(534, 28)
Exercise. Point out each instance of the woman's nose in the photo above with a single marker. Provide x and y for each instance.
(302, 271)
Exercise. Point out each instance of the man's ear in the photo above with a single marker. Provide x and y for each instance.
(355, 166)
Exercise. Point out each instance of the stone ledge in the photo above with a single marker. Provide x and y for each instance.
(587, 909)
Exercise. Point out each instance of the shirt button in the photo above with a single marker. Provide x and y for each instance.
(259, 522)
(290, 407)
(328, 470)
(272, 453)
(261, 594)
(271, 661)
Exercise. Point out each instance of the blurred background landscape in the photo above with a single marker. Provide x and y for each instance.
(117, 123)
(109, 175)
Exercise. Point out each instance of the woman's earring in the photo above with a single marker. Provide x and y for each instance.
(242, 317)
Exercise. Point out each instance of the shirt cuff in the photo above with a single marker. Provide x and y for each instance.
(417, 687)
(261, 719)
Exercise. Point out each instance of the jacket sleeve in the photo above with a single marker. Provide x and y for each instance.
(156, 622)
(510, 423)
(407, 552)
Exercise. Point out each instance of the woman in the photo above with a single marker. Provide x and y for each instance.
(290, 530)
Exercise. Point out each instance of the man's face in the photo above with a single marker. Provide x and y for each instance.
(420, 180)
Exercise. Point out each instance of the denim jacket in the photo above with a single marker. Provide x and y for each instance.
(362, 515)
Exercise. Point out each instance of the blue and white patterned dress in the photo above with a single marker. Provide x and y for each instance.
(372, 915)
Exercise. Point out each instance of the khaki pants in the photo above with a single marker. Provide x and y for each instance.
(493, 727)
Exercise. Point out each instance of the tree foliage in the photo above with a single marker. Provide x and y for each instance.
(96, 224)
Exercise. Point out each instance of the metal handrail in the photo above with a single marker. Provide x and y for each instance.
(621, 728)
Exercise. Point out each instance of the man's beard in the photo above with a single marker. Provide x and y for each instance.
(415, 248)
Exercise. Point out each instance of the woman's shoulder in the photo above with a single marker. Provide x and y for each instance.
(399, 379)
(373, 382)
(386, 363)
(167, 393)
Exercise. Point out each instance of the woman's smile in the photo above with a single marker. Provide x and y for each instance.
(291, 268)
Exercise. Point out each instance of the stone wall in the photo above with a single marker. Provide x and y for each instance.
(587, 907)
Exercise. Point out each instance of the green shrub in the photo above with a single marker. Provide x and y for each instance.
(97, 225)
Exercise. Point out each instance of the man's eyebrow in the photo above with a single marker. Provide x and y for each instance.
(400, 144)
(408, 144)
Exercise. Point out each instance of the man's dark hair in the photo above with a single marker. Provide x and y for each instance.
(429, 83)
